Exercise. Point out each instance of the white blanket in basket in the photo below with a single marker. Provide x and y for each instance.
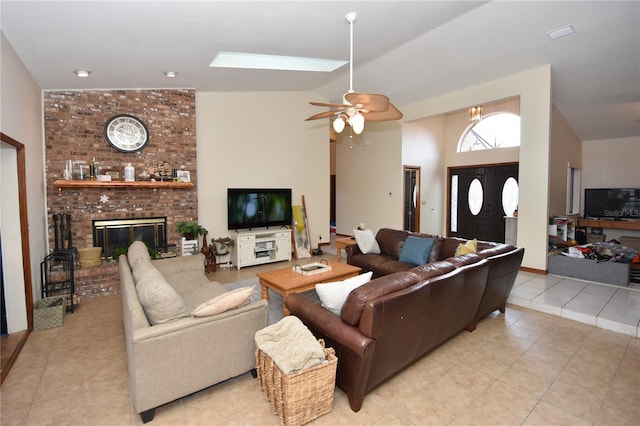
(290, 345)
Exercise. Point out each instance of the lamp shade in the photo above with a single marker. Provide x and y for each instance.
(338, 124)
(357, 123)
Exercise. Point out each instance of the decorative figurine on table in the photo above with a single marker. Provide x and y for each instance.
(209, 252)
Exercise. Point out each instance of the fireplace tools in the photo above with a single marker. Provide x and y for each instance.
(62, 232)
(56, 270)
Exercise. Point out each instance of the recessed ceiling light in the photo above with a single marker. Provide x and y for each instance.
(274, 62)
(82, 73)
(170, 74)
(561, 32)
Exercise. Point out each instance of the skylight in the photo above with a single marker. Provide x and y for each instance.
(274, 62)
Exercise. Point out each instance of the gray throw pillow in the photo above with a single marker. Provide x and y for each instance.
(161, 303)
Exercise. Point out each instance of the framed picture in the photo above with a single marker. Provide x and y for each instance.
(183, 175)
(115, 175)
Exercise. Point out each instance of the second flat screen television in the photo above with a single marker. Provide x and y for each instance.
(258, 207)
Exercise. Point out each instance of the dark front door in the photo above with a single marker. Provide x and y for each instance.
(411, 198)
(475, 206)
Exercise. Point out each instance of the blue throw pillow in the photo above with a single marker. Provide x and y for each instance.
(416, 250)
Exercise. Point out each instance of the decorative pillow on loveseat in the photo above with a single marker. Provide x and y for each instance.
(161, 303)
(416, 250)
(226, 301)
(366, 241)
(469, 247)
(332, 295)
(138, 254)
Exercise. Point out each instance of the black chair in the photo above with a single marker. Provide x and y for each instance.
(56, 275)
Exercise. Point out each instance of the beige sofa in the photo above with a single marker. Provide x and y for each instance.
(177, 357)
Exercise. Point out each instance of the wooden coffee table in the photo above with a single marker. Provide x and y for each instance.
(286, 281)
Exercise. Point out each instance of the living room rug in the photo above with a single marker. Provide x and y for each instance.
(275, 300)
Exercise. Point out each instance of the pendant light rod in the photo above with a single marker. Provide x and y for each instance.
(351, 18)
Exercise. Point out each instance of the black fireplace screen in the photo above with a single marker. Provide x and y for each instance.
(120, 233)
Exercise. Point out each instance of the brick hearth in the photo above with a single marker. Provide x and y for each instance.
(99, 281)
(74, 130)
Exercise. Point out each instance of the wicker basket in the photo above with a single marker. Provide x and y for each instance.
(48, 312)
(298, 397)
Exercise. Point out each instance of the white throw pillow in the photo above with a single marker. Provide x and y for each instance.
(366, 241)
(333, 295)
(229, 300)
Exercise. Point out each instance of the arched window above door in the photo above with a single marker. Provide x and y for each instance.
(493, 131)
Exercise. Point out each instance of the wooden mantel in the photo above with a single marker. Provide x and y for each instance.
(121, 184)
(611, 224)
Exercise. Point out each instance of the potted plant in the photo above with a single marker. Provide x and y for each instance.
(190, 231)
(222, 245)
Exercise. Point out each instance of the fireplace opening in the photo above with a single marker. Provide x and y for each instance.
(120, 233)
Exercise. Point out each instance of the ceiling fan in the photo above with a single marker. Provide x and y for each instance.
(357, 107)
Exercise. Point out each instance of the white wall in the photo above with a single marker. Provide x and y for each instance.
(423, 144)
(12, 269)
(260, 139)
(21, 119)
(611, 163)
(369, 178)
(566, 148)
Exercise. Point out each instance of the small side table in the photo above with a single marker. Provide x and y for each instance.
(342, 243)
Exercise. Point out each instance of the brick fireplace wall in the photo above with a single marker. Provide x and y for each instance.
(74, 130)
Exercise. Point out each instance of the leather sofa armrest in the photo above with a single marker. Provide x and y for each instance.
(325, 323)
(352, 250)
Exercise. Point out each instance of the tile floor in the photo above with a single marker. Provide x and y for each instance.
(605, 306)
(524, 367)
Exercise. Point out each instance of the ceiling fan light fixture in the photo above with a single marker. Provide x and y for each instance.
(338, 124)
(357, 123)
(356, 108)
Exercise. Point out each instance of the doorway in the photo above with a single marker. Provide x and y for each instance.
(12, 343)
(411, 200)
(477, 196)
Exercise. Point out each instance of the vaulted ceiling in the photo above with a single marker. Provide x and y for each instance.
(409, 50)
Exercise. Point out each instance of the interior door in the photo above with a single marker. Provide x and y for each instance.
(411, 200)
(475, 201)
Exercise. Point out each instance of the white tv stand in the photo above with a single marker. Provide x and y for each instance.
(255, 247)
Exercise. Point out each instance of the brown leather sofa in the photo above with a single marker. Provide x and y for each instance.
(397, 318)
(505, 260)
(392, 321)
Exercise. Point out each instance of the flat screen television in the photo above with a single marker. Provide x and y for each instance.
(258, 207)
(612, 203)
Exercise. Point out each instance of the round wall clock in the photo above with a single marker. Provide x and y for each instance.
(126, 133)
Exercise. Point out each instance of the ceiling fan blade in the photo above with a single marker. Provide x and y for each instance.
(392, 113)
(323, 115)
(374, 102)
(329, 105)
